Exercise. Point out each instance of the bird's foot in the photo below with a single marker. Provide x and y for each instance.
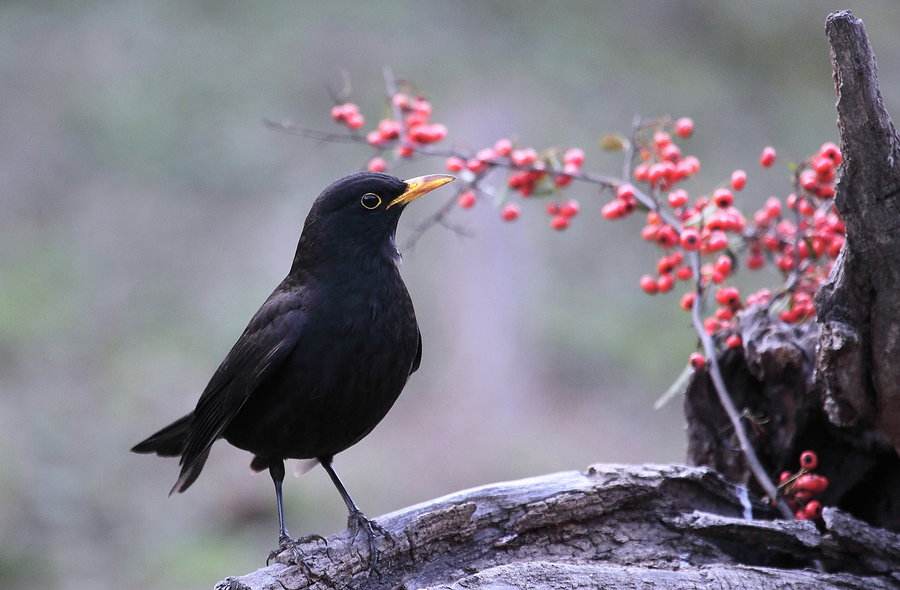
(291, 545)
(357, 522)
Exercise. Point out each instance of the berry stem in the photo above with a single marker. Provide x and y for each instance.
(709, 349)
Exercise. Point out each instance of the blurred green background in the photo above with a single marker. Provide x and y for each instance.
(146, 213)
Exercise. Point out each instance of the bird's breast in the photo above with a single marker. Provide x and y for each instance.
(350, 364)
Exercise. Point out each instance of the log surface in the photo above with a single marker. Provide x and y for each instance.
(641, 526)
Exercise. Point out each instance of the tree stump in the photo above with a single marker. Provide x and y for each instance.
(832, 386)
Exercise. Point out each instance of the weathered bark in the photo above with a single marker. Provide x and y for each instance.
(612, 526)
(832, 386)
(859, 308)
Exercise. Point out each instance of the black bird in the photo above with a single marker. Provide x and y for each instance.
(327, 354)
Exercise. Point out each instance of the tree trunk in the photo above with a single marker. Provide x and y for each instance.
(833, 387)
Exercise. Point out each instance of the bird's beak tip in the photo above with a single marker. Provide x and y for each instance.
(420, 186)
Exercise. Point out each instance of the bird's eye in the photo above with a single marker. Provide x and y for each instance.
(370, 201)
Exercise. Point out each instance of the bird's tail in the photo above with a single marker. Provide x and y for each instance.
(168, 442)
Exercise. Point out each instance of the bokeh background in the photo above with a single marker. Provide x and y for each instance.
(145, 213)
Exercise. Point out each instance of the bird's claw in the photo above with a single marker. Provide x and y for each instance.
(357, 521)
(287, 543)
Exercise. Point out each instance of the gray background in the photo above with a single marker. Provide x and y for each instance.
(145, 213)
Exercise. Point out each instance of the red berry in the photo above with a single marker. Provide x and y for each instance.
(485, 155)
(697, 360)
(401, 101)
(717, 241)
(738, 180)
(690, 239)
(405, 151)
(728, 296)
(691, 165)
(415, 120)
(342, 112)
(552, 208)
(733, 341)
(812, 483)
(570, 208)
(421, 106)
(466, 199)
(642, 172)
(510, 212)
(823, 166)
(723, 198)
(614, 209)
(767, 158)
(723, 265)
(665, 283)
(809, 460)
(808, 179)
(684, 273)
(503, 147)
(785, 475)
(724, 314)
(648, 284)
(666, 236)
(454, 164)
(687, 300)
(375, 138)
(813, 509)
(625, 191)
(671, 152)
(559, 223)
(661, 139)
(684, 127)
(574, 156)
(832, 151)
(678, 198)
(523, 158)
(377, 164)
(355, 120)
(389, 128)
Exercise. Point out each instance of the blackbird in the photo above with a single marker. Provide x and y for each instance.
(327, 354)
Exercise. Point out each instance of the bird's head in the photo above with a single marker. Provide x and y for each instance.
(359, 214)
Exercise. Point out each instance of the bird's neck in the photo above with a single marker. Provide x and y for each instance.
(318, 258)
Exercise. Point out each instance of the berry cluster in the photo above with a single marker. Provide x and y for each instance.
(800, 236)
(529, 173)
(800, 489)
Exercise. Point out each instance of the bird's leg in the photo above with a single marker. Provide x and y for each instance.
(356, 519)
(285, 542)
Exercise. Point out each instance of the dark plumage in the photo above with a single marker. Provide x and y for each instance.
(327, 354)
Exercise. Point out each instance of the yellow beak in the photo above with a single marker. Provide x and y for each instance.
(420, 186)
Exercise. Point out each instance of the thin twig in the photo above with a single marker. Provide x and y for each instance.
(438, 217)
(709, 349)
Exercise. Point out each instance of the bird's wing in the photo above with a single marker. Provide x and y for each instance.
(418, 359)
(268, 339)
